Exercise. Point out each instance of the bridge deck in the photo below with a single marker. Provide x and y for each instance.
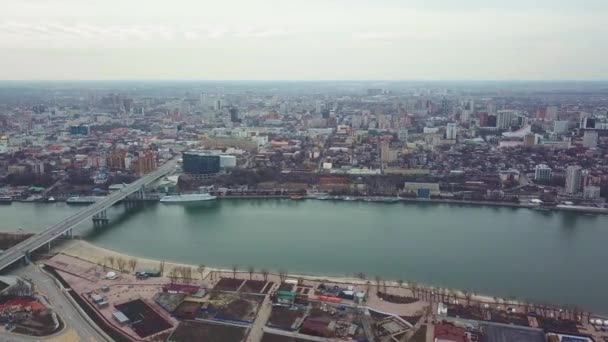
(16, 252)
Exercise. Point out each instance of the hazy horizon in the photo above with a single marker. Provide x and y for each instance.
(314, 40)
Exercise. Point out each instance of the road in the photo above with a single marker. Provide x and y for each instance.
(36, 241)
(77, 327)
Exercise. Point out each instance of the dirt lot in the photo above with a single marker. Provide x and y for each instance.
(268, 287)
(228, 284)
(187, 310)
(284, 317)
(170, 301)
(396, 299)
(40, 324)
(279, 338)
(233, 306)
(189, 331)
(148, 321)
(253, 286)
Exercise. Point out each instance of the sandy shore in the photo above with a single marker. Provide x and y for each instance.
(95, 254)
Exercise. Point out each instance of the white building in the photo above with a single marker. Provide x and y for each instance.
(451, 131)
(227, 161)
(574, 175)
(504, 118)
(542, 172)
(3, 144)
(591, 192)
(590, 139)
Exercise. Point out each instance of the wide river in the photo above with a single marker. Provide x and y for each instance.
(553, 257)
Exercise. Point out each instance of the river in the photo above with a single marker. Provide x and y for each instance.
(554, 257)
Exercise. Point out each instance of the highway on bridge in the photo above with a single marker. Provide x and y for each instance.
(18, 251)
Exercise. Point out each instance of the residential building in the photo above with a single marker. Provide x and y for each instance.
(542, 172)
(574, 174)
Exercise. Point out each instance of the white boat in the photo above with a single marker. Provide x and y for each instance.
(183, 198)
(84, 199)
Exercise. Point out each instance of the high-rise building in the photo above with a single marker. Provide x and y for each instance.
(542, 172)
(465, 116)
(552, 113)
(590, 139)
(234, 115)
(217, 105)
(530, 139)
(146, 162)
(386, 154)
(199, 163)
(560, 126)
(587, 122)
(116, 159)
(483, 119)
(451, 131)
(504, 119)
(574, 174)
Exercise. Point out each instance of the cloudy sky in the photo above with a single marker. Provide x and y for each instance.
(304, 39)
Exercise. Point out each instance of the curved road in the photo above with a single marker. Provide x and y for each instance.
(77, 327)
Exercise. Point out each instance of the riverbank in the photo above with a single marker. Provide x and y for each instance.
(390, 200)
(98, 255)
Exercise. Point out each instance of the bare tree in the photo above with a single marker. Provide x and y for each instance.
(283, 276)
(111, 260)
(360, 275)
(378, 279)
(265, 273)
(235, 268)
(468, 296)
(173, 275)
(250, 269)
(132, 264)
(121, 263)
(161, 267)
(201, 270)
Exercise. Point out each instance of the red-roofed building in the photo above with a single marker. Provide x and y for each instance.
(449, 333)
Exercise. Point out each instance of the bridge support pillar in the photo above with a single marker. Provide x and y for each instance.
(27, 257)
(100, 219)
(68, 233)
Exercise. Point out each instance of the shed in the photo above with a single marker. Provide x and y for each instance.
(120, 317)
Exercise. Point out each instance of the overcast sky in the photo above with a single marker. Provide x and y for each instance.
(304, 39)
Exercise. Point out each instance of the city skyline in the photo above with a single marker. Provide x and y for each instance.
(313, 40)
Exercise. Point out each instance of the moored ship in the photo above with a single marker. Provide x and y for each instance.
(187, 198)
(83, 199)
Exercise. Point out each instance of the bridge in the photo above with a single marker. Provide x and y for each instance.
(95, 211)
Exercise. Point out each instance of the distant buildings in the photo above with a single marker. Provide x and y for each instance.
(590, 139)
(451, 131)
(542, 173)
(574, 176)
